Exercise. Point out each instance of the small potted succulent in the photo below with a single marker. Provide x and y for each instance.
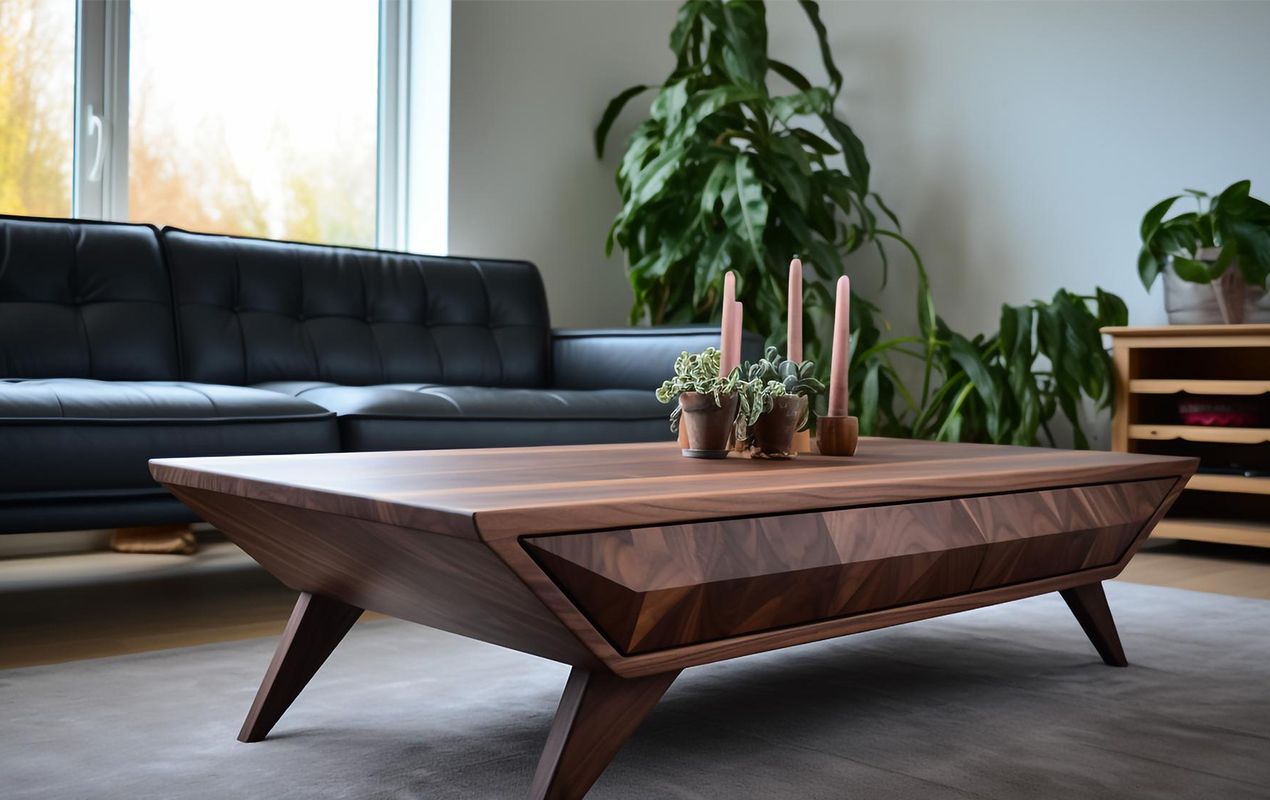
(776, 403)
(1215, 260)
(708, 403)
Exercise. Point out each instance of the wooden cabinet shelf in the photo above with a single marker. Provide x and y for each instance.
(1239, 484)
(1201, 433)
(1256, 534)
(1191, 386)
(1211, 360)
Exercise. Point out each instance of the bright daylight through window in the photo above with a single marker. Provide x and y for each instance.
(37, 106)
(273, 141)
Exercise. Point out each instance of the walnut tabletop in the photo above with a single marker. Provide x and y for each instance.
(495, 493)
(631, 563)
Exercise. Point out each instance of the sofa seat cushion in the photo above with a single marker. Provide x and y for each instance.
(77, 438)
(418, 416)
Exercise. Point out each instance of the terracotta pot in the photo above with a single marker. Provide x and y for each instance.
(772, 436)
(708, 426)
(1229, 299)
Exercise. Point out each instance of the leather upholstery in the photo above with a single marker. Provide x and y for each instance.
(428, 416)
(252, 311)
(119, 343)
(84, 300)
(632, 358)
(75, 439)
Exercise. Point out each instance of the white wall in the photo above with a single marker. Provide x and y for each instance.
(1020, 143)
(530, 79)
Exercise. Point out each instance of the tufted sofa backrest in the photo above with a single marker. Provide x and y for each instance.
(252, 311)
(84, 300)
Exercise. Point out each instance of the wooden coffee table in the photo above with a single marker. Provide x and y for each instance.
(631, 563)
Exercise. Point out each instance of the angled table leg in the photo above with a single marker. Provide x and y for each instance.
(316, 626)
(1089, 604)
(597, 713)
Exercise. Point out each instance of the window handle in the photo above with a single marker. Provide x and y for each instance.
(95, 122)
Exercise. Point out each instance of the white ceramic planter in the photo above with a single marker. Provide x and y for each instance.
(1229, 299)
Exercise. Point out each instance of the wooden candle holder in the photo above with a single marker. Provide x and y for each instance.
(837, 436)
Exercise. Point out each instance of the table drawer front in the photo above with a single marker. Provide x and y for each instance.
(649, 589)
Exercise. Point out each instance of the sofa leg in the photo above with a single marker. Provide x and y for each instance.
(174, 539)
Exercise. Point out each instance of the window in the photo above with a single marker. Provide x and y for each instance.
(263, 124)
(314, 120)
(37, 106)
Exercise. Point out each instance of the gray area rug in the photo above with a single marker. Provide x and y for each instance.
(1004, 702)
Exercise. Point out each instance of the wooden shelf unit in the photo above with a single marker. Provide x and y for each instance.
(1153, 363)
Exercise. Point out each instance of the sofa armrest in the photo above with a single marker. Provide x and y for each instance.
(631, 358)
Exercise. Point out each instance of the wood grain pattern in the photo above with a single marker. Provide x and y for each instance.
(1089, 605)
(680, 562)
(316, 626)
(654, 588)
(597, 714)
(506, 493)
(439, 581)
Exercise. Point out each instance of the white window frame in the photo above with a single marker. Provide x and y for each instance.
(414, 99)
(100, 183)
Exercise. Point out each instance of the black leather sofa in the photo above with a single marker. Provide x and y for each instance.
(120, 343)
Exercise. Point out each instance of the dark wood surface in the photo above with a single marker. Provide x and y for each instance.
(597, 714)
(507, 493)
(1089, 605)
(631, 563)
(651, 589)
(453, 584)
(316, 626)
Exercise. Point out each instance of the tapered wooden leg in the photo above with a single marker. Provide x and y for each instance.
(596, 715)
(317, 624)
(1089, 604)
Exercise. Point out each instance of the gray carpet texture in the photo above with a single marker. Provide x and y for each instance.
(1004, 702)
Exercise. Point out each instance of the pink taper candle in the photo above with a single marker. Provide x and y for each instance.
(794, 346)
(734, 358)
(728, 328)
(841, 350)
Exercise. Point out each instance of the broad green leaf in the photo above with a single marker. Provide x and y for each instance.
(705, 103)
(687, 18)
(1112, 311)
(790, 74)
(816, 143)
(968, 357)
(813, 101)
(753, 205)
(610, 115)
(1254, 242)
(1224, 259)
(852, 151)
(1151, 221)
(1149, 268)
(1191, 270)
(668, 105)
(719, 176)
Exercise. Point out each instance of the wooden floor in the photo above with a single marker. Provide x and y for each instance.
(69, 607)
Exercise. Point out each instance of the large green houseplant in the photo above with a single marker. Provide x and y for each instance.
(721, 176)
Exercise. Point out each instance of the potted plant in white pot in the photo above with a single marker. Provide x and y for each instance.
(1215, 260)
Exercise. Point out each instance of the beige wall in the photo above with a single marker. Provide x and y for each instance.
(1020, 143)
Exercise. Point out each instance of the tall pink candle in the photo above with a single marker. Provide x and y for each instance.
(841, 350)
(728, 329)
(735, 357)
(794, 345)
